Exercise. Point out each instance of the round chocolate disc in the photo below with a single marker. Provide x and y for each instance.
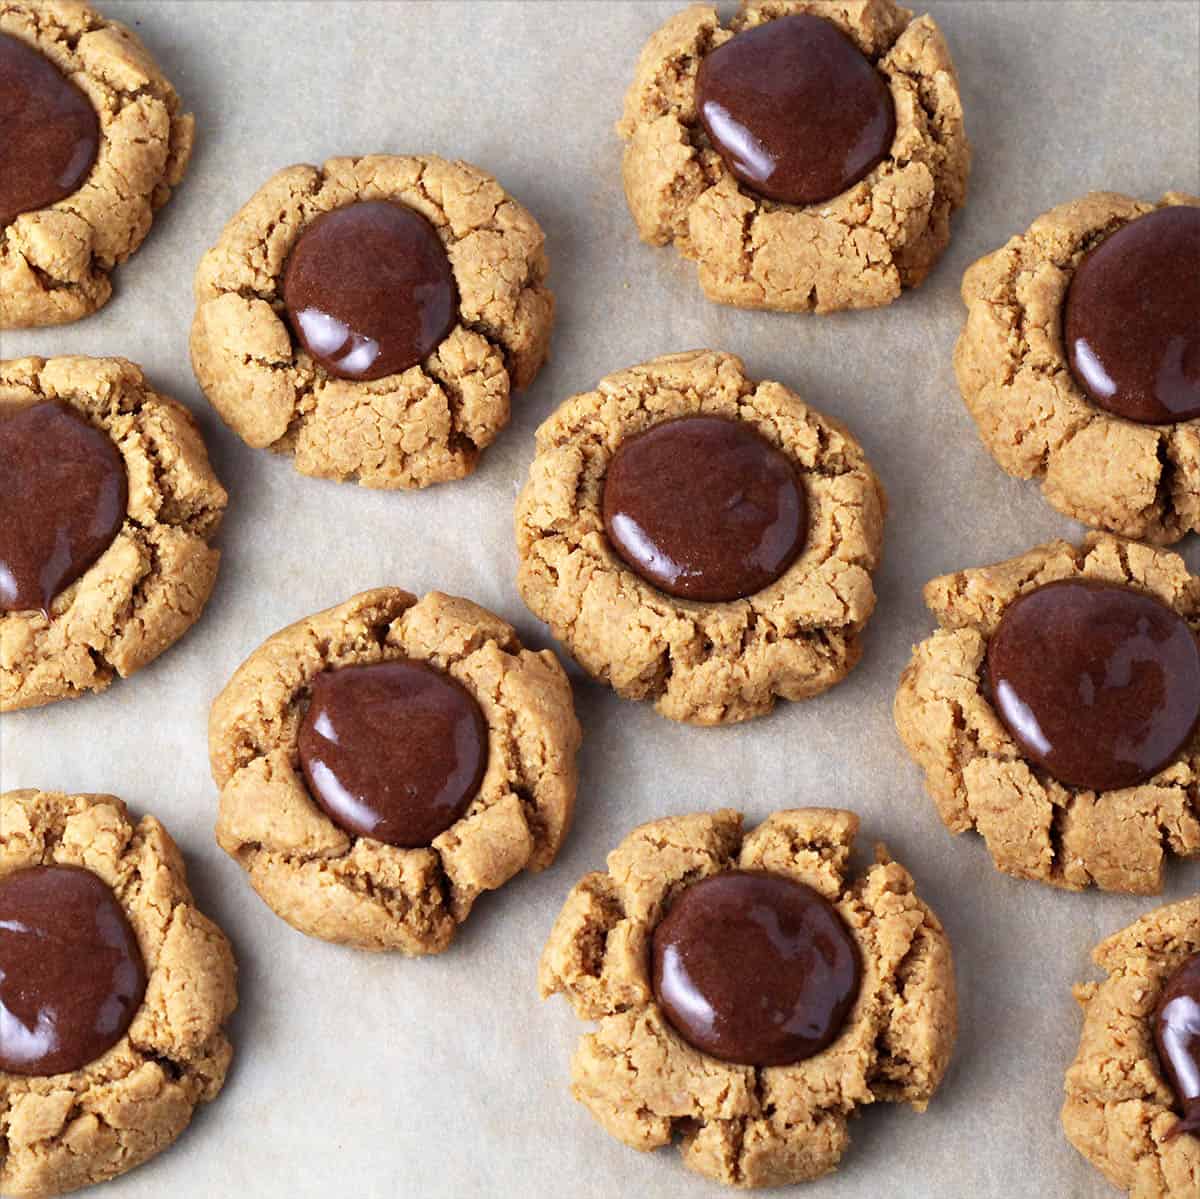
(704, 508)
(795, 109)
(1132, 319)
(1097, 683)
(49, 131)
(394, 751)
(755, 969)
(1177, 1035)
(71, 973)
(65, 492)
(369, 290)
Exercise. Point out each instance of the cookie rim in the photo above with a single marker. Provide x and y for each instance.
(90, 287)
(509, 362)
(833, 440)
(602, 923)
(1106, 558)
(117, 390)
(527, 818)
(913, 258)
(148, 853)
(990, 390)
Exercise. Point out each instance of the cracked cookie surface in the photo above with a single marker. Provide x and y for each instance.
(425, 425)
(1119, 1108)
(331, 884)
(1036, 827)
(69, 1130)
(741, 1125)
(705, 663)
(1137, 480)
(151, 584)
(858, 250)
(55, 262)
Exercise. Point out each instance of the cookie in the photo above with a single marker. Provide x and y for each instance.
(849, 1001)
(383, 763)
(115, 991)
(1055, 711)
(700, 539)
(94, 141)
(1072, 361)
(1122, 1111)
(807, 157)
(370, 317)
(110, 506)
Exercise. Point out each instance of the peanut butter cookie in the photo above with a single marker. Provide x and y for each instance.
(1073, 361)
(808, 156)
(383, 763)
(370, 317)
(700, 539)
(114, 991)
(94, 141)
(1055, 711)
(1133, 1096)
(843, 995)
(110, 504)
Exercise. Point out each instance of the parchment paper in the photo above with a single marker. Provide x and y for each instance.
(375, 1076)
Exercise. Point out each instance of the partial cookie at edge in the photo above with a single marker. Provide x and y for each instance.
(151, 584)
(1119, 1109)
(1034, 826)
(1135, 480)
(66, 1131)
(55, 262)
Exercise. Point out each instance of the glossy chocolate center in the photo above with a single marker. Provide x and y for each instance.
(64, 493)
(395, 751)
(49, 131)
(755, 969)
(1132, 319)
(71, 973)
(704, 508)
(369, 290)
(1097, 683)
(795, 109)
(1177, 1035)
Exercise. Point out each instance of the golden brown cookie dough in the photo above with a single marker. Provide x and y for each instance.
(1119, 1108)
(357, 890)
(1136, 480)
(705, 663)
(858, 250)
(1036, 827)
(65, 1131)
(425, 425)
(742, 1125)
(55, 262)
(151, 584)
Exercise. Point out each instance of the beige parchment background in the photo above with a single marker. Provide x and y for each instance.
(374, 1077)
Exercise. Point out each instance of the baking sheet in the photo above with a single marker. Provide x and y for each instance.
(375, 1076)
